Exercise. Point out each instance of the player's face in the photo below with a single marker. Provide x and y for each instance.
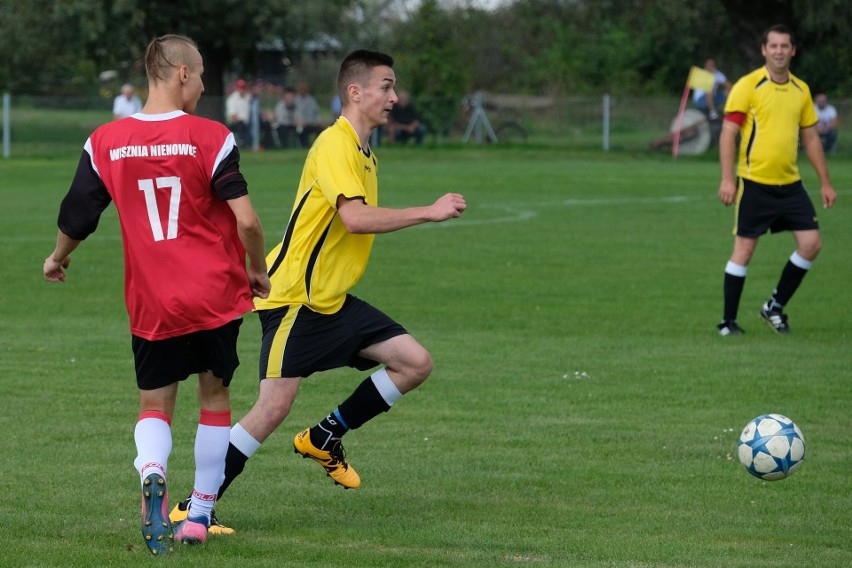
(379, 96)
(778, 52)
(194, 86)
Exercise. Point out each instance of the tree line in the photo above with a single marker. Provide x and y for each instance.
(559, 47)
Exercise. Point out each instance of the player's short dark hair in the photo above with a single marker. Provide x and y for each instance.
(357, 67)
(779, 29)
(166, 52)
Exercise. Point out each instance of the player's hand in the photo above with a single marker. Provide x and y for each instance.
(448, 206)
(53, 270)
(727, 192)
(259, 283)
(829, 196)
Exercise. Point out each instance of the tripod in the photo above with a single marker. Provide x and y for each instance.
(478, 123)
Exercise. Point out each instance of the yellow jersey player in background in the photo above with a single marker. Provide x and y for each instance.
(770, 108)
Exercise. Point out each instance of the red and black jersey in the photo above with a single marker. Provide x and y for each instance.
(170, 176)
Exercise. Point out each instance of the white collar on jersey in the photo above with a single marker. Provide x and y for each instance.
(157, 117)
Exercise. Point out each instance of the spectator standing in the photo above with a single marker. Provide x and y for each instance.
(238, 112)
(127, 103)
(827, 125)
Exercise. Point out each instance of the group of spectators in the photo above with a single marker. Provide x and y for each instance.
(295, 119)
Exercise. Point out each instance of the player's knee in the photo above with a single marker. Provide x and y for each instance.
(420, 366)
(275, 409)
(817, 247)
(809, 249)
(278, 411)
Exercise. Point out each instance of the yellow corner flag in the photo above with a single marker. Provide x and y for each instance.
(701, 79)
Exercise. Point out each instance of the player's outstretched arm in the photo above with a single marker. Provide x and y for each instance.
(60, 258)
(358, 217)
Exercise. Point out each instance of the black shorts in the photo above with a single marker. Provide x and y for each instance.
(166, 361)
(298, 342)
(774, 208)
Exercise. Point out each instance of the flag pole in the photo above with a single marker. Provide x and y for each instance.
(679, 120)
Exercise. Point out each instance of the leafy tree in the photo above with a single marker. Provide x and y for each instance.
(45, 46)
(442, 46)
(822, 33)
(58, 47)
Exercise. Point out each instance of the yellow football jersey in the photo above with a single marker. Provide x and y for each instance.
(770, 134)
(318, 261)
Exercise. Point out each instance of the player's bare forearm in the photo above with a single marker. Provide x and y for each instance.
(359, 217)
(251, 237)
(727, 155)
(60, 258)
(816, 156)
(250, 231)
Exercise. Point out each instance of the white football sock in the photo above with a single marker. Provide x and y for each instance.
(211, 447)
(153, 436)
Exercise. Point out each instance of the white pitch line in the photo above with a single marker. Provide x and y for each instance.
(514, 214)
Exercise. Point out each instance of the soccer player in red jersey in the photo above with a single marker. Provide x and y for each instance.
(187, 225)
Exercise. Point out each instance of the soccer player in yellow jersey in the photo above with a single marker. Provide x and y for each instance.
(770, 108)
(310, 321)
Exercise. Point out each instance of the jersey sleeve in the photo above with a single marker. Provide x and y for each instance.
(86, 199)
(338, 174)
(228, 181)
(739, 99)
(809, 115)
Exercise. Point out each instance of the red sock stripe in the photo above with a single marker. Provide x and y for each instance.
(215, 417)
(155, 414)
(203, 496)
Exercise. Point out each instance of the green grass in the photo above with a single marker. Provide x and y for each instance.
(582, 412)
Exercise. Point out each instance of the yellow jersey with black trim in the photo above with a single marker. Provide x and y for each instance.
(318, 261)
(774, 113)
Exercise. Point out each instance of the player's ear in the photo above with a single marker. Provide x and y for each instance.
(183, 73)
(354, 92)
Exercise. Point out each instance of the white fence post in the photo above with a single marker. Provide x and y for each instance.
(6, 126)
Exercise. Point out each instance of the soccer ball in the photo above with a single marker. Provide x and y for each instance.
(771, 447)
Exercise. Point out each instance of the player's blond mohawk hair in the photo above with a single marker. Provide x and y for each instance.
(165, 53)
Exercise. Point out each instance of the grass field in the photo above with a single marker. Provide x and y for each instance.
(582, 412)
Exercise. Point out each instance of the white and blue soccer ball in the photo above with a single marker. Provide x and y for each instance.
(771, 447)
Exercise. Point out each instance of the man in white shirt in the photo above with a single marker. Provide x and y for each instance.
(127, 103)
(827, 125)
(238, 112)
